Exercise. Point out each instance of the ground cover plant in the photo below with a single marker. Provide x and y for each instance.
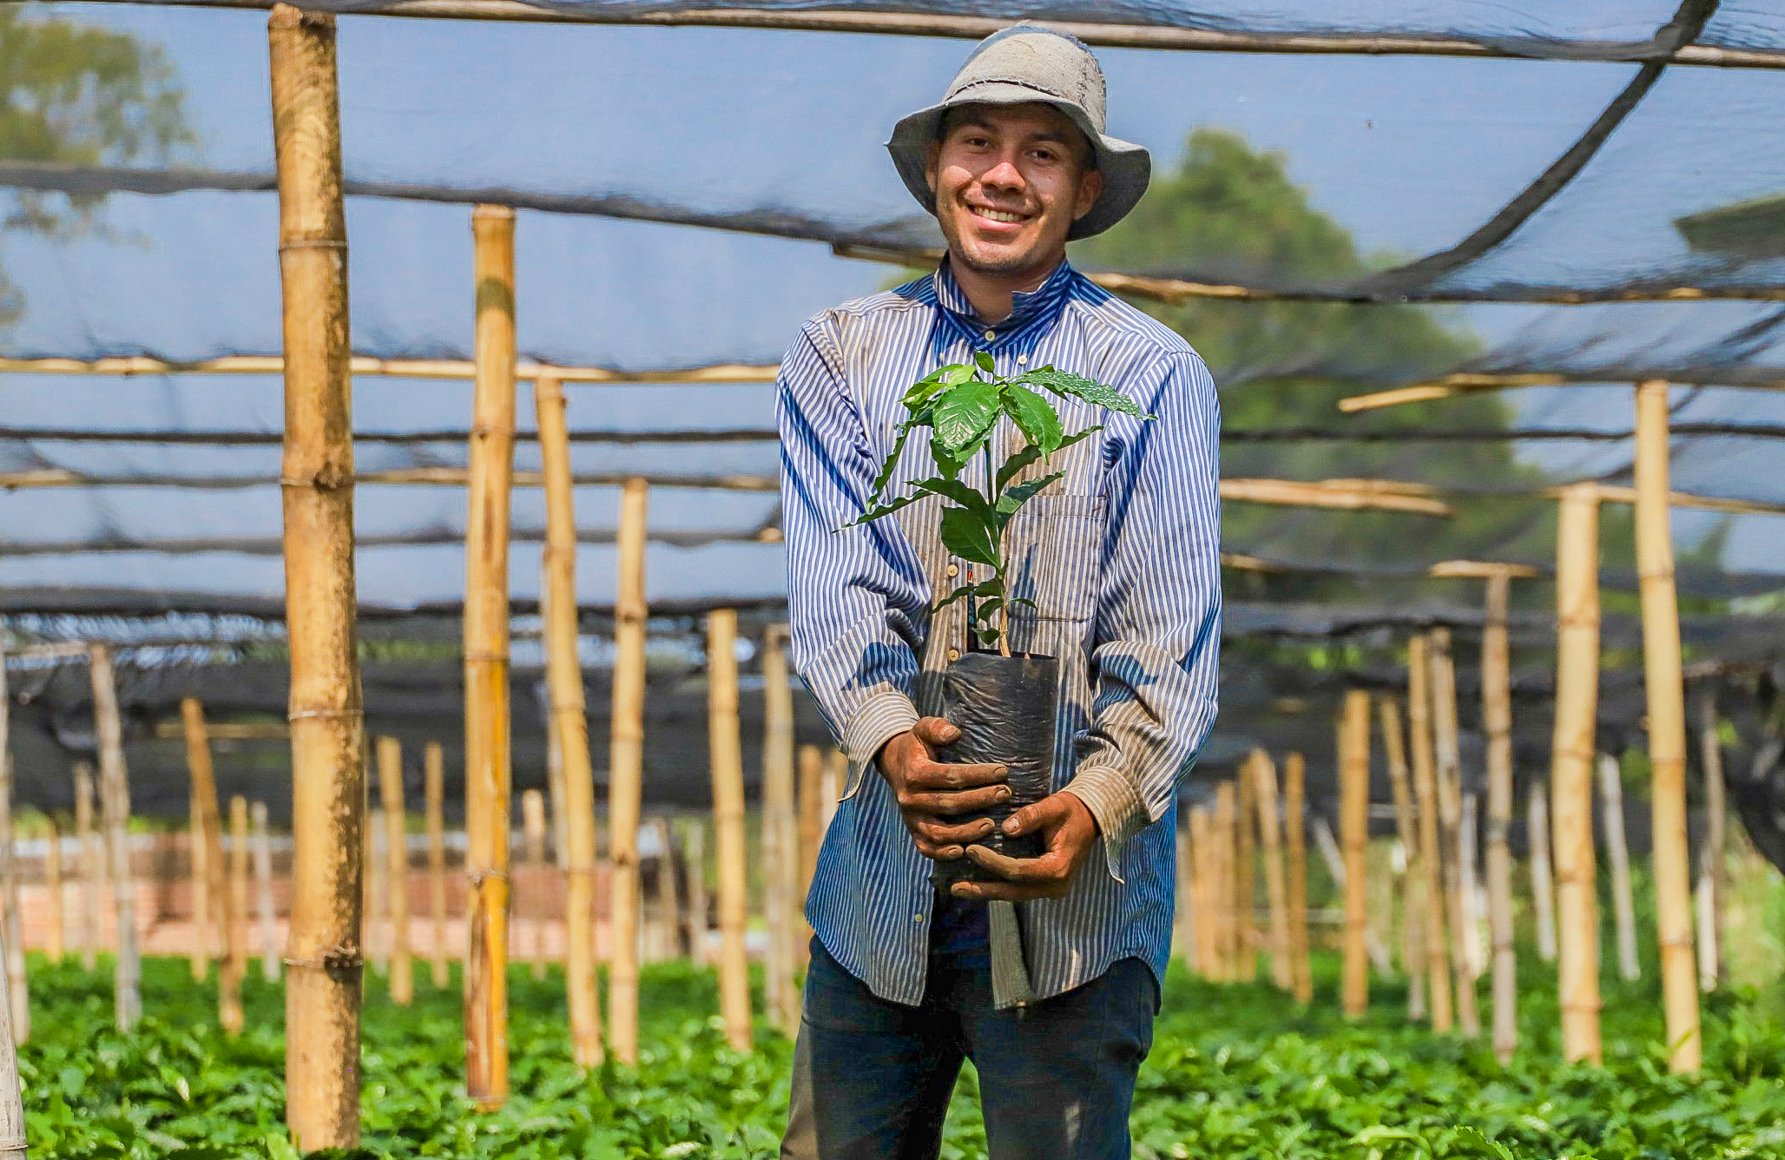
(1235, 1072)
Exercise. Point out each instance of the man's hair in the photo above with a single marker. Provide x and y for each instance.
(1086, 155)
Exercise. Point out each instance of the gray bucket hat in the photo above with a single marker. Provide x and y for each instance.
(1018, 65)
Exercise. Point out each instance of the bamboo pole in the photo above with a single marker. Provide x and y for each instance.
(533, 837)
(1450, 816)
(1716, 810)
(201, 890)
(1245, 903)
(668, 897)
(811, 806)
(1226, 921)
(1354, 820)
(1270, 829)
(377, 905)
(114, 804)
(323, 948)
(17, 986)
(1543, 883)
(207, 835)
(434, 794)
(779, 828)
(396, 853)
(1474, 896)
(1571, 769)
(263, 892)
(92, 863)
(1617, 851)
(487, 756)
(1202, 899)
(1295, 833)
(626, 770)
(1183, 919)
(1425, 789)
(235, 925)
(1413, 946)
(54, 945)
(12, 1108)
(1496, 716)
(728, 822)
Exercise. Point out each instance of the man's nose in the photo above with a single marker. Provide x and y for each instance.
(1004, 174)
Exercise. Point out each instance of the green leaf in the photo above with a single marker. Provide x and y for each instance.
(1021, 494)
(984, 359)
(1065, 383)
(1034, 416)
(898, 448)
(883, 510)
(1016, 463)
(954, 489)
(965, 414)
(967, 535)
(985, 588)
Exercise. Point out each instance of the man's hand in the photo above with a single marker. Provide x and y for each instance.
(930, 792)
(1068, 832)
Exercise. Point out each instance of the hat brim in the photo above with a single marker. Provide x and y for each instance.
(1126, 167)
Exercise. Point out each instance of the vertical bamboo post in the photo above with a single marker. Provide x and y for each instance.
(533, 837)
(1226, 958)
(487, 756)
(92, 862)
(1202, 901)
(626, 770)
(569, 722)
(728, 822)
(322, 994)
(263, 893)
(114, 804)
(554, 753)
(1245, 869)
(377, 905)
(1270, 829)
(396, 853)
(668, 897)
(1474, 897)
(201, 890)
(14, 927)
(54, 945)
(12, 1108)
(1425, 789)
(207, 835)
(1712, 889)
(1571, 768)
(811, 805)
(434, 794)
(1450, 817)
(1183, 919)
(1666, 696)
(235, 926)
(1354, 821)
(1295, 834)
(1543, 882)
(1413, 947)
(1496, 716)
(780, 857)
(1617, 850)
(694, 857)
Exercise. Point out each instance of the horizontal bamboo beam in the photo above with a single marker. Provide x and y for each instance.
(174, 730)
(365, 365)
(1462, 384)
(270, 546)
(1443, 569)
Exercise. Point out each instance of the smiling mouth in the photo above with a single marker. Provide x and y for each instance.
(999, 216)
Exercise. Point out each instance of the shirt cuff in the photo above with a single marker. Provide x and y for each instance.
(1116, 804)
(876, 721)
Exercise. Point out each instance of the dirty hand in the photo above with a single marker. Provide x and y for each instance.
(931, 793)
(1068, 833)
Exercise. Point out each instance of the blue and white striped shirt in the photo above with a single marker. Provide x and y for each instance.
(1121, 559)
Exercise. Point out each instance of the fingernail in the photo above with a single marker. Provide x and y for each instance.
(1003, 793)
(1003, 771)
(988, 827)
(949, 852)
(1011, 826)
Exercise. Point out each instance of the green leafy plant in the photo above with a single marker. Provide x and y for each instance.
(961, 404)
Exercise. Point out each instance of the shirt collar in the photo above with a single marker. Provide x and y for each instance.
(1025, 305)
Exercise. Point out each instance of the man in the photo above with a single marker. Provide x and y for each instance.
(1047, 975)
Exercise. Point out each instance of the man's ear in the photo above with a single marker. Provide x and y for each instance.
(932, 154)
(1089, 190)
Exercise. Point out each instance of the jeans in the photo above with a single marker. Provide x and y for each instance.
(872, 1078)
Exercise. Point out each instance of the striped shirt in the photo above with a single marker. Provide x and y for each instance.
(1120, 558)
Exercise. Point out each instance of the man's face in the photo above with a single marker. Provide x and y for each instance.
(1009, 182)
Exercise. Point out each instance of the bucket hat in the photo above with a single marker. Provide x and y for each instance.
(1018, 65)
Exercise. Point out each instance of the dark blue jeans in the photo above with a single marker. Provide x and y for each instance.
(872, 1079)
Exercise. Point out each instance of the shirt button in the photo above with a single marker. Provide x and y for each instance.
(917, 918)
(954, 570)
(1022, 358)
(954, 654)
(990, 335)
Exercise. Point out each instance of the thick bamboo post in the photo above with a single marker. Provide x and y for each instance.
(728, 822)
(1496, 716)
(1571, 768)
(694, 861)
(54, 945)
(554, 768)
(396, 853)
(92, 863)
(263, 893)
(533, 843)
(1270, 830)
(1711, 870)
(669, 903)
(1474, 897)
(626, 771)
(1413, 947)
(322, 993)
(1202, 903)
(235, 926)
(1425, 789)
(1617, 852)
(1543, 881)
(1245, 869)
(434, 794)
(568, 726)
(1296, 898)
(487, 756)
(201, 891)
(14, 926)
(377, 906)
(114, 804)
(1354, 821)
(1450, 816)
(811, 806)
(1666, 696)
(207, 837)
(1183, 918)
(779, 833)
(1226, 957)
(12, 1108)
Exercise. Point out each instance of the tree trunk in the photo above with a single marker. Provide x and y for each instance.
(626, 767)
(114, 804)
(728, 822)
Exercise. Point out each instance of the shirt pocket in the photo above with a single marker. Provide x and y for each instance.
(1054, 548)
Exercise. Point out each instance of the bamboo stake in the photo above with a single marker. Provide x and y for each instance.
(1617, 849)
(811, 806)
(1202, 900)
(1425, 788)
(1413, 947)
(668, 897)
(263, 890)
(323, 948)
(1666, 698)
(728, 822)
(52, 871)
(235, 926)
(554, 760)
(396, 852)
(779, 829)
(487, 756)
(694, 855)
(434, 792)
(201, 891)
(1450, 817)
(1183, 920)
(377, 861)
(1246, 874)
(207, 836)
(12, 1108)
(92, 862)
(1270, 829)
(1496, 716)
(114, 804)
(17, 987)
(1226, 921)
(1295, 833)
(1354, 820)
(1474, 897)
(1571, 768)
(1543, 886)
(533, 834)
(1712, 888)
(626, 770)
